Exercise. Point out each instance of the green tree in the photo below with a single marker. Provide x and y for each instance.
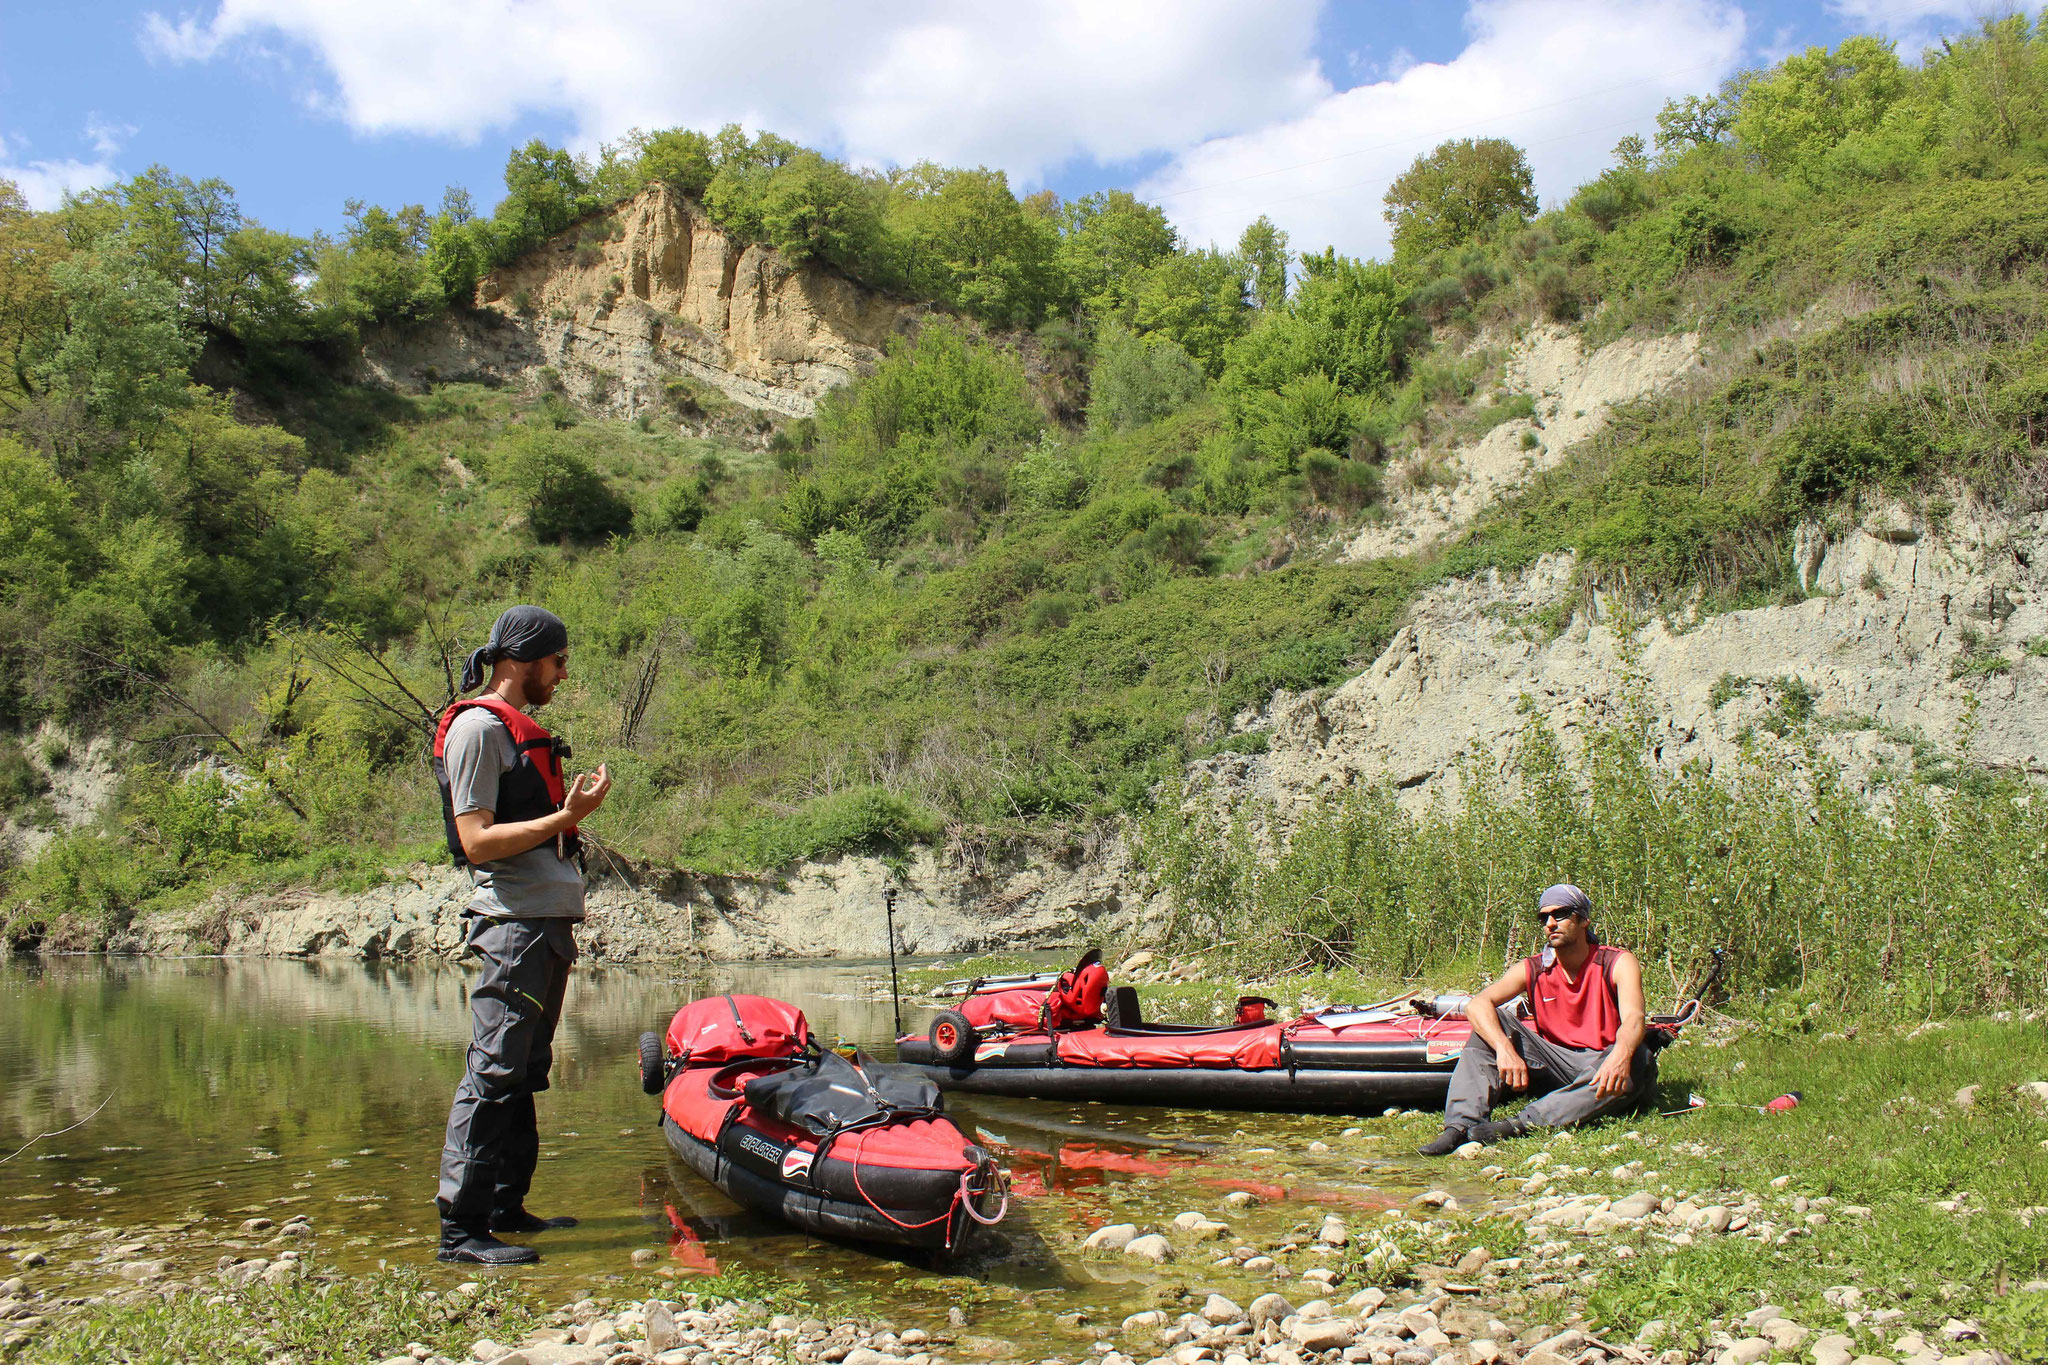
(562, 494)
(546, 189)
(962, 238)
(380, 270)
(1693, 121)
(681, 157)
(814, 209)
(1459, 191)
(1106, 240)
(1263, 249)
(1796, 113)
(1138, 379)
(125, 348)
(1196, 299)
(31, 304)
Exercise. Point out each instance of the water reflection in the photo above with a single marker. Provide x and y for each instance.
(280, 1087)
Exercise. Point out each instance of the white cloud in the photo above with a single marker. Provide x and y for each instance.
(1915, 25)
(1025, 86)
(106, 136)
(1563, 79)
(45, 183)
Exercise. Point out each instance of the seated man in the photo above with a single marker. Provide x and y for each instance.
(1582, 1050)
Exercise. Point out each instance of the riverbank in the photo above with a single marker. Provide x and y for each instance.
(1895, 1215)
(636, 914)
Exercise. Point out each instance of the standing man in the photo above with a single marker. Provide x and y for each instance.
(1582, 1051)
(512, 822)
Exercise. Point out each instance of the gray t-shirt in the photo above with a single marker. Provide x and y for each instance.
(535, 884)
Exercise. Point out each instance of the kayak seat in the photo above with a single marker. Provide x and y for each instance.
(1120, 1016)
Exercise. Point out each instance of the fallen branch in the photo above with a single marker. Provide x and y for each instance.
(58, 1132)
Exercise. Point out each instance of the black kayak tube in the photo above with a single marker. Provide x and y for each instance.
(816, 1211)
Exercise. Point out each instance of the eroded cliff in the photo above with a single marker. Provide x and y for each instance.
(616, 307)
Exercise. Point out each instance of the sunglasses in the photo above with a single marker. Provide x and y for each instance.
(1556, 912)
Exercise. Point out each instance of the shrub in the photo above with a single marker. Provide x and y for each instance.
(1349, 484)
(563, 496)
(679, 507)
(1138, 379)
(20, 780)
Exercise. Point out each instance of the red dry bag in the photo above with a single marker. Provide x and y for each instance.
(729, 1028)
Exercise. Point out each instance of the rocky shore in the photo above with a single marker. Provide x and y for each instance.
(827, 908)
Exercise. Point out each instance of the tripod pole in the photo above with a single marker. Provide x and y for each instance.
(895, 991)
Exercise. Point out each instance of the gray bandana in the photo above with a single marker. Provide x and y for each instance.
(522, 633)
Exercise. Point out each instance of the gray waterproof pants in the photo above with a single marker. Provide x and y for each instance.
(493, 1141)
(1562, 1078)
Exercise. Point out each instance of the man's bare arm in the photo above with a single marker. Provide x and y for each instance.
(484, 840)
(1485, 1021)
(1613, 1075)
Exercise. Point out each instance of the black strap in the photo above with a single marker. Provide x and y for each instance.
(734, 1006)
(720, 1085)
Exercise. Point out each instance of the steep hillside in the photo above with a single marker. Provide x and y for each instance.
(615, 308)
(1670, 510)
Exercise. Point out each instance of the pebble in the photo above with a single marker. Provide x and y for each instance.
(1111, 1237)
(1153, 1248)
(1219, 1310)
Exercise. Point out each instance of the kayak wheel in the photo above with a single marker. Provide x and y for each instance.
(953, 1039)
(653, 1066)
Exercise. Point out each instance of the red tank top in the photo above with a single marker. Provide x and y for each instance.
(1585, 1013)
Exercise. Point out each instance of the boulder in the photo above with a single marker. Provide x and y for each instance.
(1219, 1310)
(1268, 1307)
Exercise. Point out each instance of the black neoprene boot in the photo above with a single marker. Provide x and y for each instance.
(1490, 1133)
(1444, 1143)
(519, 1220)
(477, 1247)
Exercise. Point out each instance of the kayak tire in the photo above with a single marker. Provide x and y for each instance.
(653, 1065)
(953, 1039)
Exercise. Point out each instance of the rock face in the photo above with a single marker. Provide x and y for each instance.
(1573, 391)
(832, 908)
(619, 305)
(1884, 649)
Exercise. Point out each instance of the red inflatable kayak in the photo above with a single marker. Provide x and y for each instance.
(1342, 1059)
(838, 1147)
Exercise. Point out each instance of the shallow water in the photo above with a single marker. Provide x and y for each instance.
(233, 1088)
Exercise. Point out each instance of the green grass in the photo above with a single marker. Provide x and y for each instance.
(346, 1322)
(365, 1317)
(1878, 1126)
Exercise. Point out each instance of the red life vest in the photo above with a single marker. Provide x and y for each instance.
(1585, 1013)
(532, 788)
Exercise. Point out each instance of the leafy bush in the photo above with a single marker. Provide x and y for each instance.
(1138, 379)
(563, 496)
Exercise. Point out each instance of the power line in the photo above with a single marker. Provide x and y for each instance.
(1915, 11)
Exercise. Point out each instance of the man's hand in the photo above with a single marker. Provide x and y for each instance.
(1612, 1077)
(1514, 1072)
(586, 793)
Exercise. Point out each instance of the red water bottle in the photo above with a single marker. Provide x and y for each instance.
(1783, 1102)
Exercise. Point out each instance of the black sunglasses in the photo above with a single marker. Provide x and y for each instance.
(1555, 912)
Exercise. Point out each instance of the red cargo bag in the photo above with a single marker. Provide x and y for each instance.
(720, 1029)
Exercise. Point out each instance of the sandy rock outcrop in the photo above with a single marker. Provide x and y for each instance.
(663, 292)
(832, 908)
(78, 778)
(1884, 648)
(1574, 390)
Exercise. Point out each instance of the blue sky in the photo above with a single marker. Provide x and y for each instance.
(1219, 108)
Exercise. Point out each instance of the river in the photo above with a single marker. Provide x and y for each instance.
(213, 1090)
